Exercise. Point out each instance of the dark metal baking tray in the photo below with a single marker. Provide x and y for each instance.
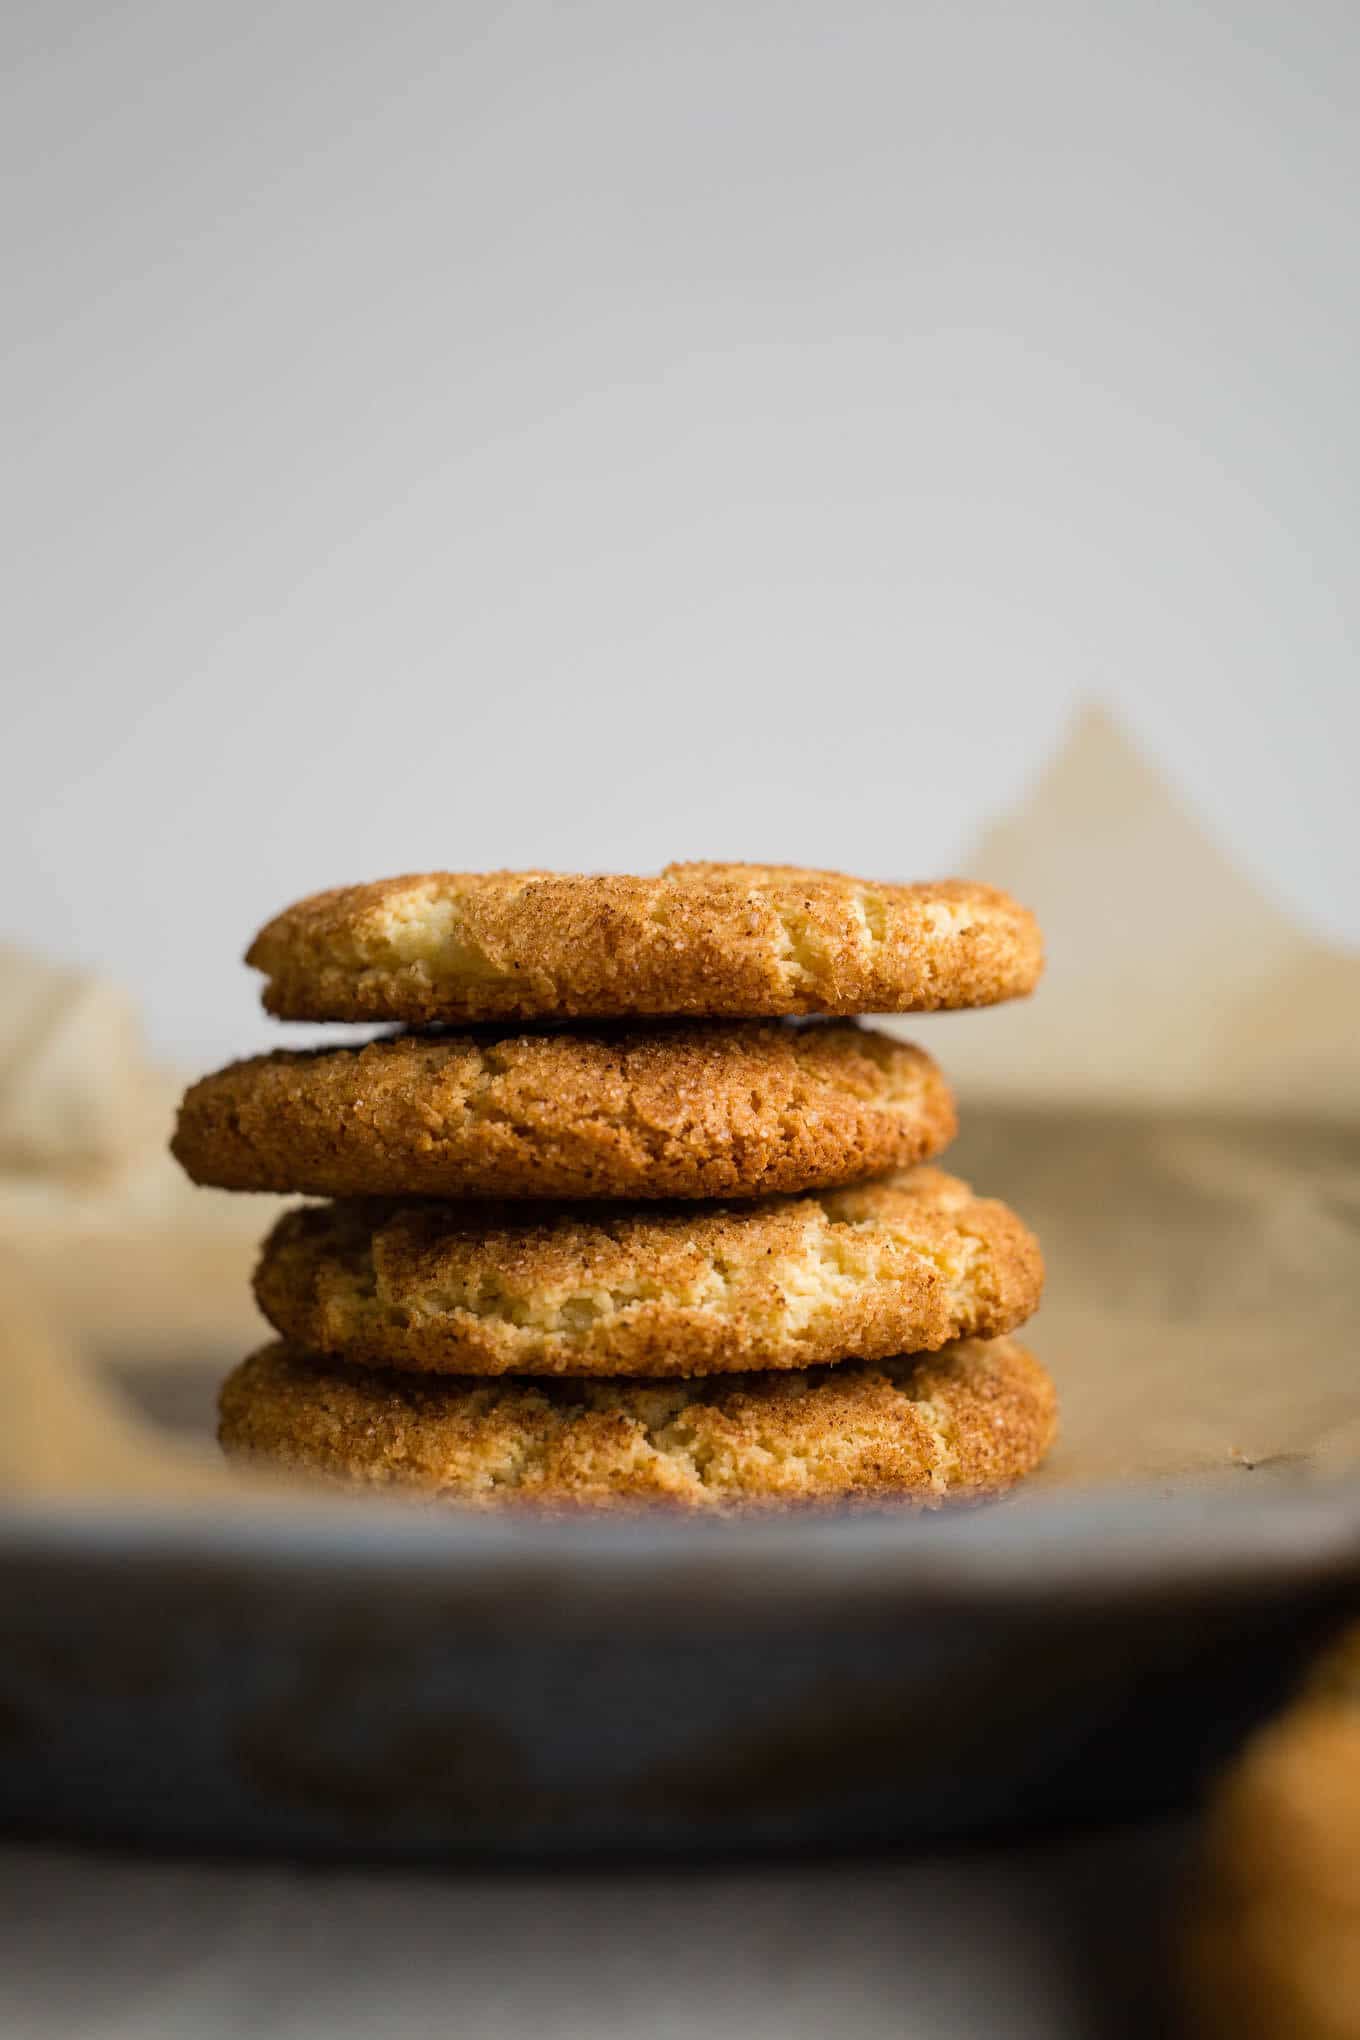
(380, 1682)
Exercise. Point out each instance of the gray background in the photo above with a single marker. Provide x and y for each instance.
(584, 435)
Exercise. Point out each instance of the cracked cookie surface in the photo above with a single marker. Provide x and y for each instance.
(960, 1424)
(728, 1110)
(902, 1265)
(713, 940)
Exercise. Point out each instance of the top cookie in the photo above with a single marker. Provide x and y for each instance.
(718, 940)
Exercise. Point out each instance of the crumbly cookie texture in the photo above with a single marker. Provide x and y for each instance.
(964, 1423)
(899, 1266)
(729, 1110)
(1274, 1948)
(705, 940)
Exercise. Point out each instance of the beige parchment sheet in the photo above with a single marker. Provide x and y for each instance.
(1177, 1114)
(1202, 1308)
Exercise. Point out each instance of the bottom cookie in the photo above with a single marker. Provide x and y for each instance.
(963, 1423)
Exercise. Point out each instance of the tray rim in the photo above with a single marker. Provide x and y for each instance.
(1133, 1544)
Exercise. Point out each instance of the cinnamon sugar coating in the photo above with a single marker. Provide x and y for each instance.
(700, 940)
(905, 1264)
(967, 1422)
(734, 1109)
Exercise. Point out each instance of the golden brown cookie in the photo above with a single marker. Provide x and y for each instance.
(903, 1265)
(964, 1423)
(735, 1109)
(740, 941)
(1275, 1948)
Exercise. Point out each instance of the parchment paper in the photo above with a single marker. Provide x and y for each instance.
(1172, 978)
(1202, 1309)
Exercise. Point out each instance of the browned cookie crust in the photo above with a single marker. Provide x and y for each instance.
(731, 1110)
(705, 940)
(964, 1423)
(903, 1265)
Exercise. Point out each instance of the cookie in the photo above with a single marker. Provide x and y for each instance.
(902, 1265)
(731, 1110)
(1275, 1948)
(740, 941)
(964, 1423)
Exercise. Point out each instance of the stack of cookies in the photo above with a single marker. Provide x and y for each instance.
(610, 1220)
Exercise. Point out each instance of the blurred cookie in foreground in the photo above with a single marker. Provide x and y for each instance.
(1274, 1951)
(962, 1424)
(742, 941)
(725, 1110)
(903, 1265)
